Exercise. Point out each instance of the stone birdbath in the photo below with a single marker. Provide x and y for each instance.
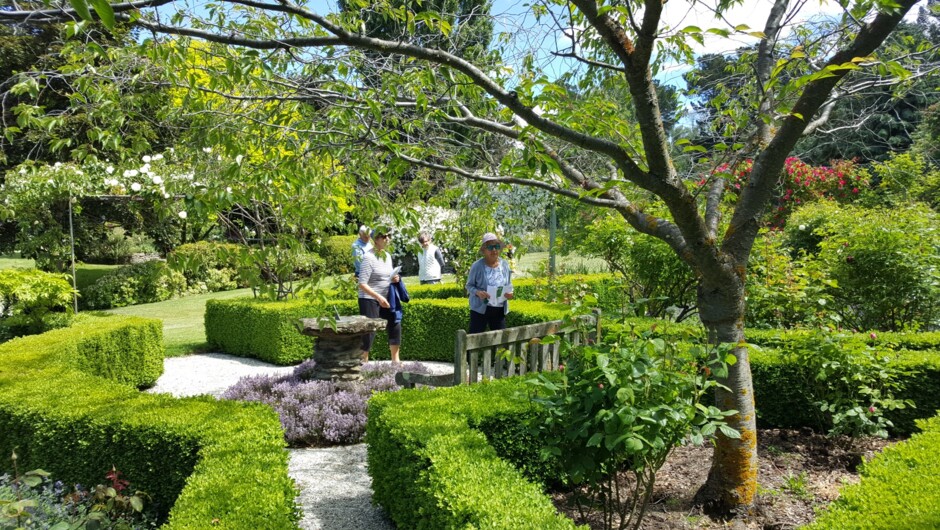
(337, 351)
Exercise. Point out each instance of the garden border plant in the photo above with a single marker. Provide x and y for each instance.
(69, 400)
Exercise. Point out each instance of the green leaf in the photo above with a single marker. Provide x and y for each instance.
(729, 432)
(137, 503)
(81, 8)
(595, 440)
(105, 12)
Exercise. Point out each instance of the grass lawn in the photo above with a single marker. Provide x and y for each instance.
(11, 261)
(529, 264)
(87, 274)
(183, 329)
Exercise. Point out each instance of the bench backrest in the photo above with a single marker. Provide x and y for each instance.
(505, 353)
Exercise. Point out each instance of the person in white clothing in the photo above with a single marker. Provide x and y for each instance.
(430, 260)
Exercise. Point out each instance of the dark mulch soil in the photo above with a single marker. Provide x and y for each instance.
(800, 473)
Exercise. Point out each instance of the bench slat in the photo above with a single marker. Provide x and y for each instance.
(474, 360)
(410, 379)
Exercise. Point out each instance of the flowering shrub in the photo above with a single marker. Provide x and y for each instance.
(320, 413)
(843, 182)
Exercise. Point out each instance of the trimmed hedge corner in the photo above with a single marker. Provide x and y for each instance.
(431, 470)
(68, 404)
(900, 488)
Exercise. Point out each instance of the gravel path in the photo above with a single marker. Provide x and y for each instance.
(335, 489)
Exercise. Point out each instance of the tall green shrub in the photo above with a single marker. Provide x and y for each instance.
(141, 283)
(784, 291)
(655, 279)
(885, 263)
(207, 266)
(336, 252)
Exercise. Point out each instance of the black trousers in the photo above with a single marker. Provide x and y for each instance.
(370, 308)
(495, 318)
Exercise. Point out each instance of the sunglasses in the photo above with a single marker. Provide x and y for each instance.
(493, 247)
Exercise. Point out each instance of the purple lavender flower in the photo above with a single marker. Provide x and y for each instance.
(317, 413)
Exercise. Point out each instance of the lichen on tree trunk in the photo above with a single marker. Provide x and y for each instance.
(732, 480)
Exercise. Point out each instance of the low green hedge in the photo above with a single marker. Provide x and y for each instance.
(900, 488)
(431, 470)
(268, 330)
(68, 404)
(781, 400)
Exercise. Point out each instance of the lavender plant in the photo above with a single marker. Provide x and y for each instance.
(320, 413)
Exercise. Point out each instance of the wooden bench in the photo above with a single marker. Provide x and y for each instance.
(504, 353)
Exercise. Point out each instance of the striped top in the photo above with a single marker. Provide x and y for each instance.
(376, 273)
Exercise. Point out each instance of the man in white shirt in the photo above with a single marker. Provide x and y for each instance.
(360, 246)
(430, 260)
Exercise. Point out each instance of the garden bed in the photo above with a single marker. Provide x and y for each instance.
(800, 472)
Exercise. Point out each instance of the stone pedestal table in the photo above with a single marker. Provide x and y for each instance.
(337, 351)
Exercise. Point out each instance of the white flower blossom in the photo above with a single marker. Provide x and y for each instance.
(157, 179)
(146, 159)
(802, 227)
(135, 186)
(182, 214)
(228, 189)
(57, 164)
(145, 168)
(172, 149)
(166, 195)
(22, 171)
(158, 156)
(206, 149)
(109, 170)
(238, 159)
(219, 158)
(129, 173)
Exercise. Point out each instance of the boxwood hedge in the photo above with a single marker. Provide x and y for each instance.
(431, 470)
(900, 488)
(268, 330)
(69, 404)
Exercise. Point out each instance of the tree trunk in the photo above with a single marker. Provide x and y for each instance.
(732, 480)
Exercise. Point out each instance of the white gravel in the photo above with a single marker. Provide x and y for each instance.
(335, 489)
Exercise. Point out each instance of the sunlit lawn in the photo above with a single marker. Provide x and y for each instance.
(87, 274)
(10, 261)
(530, 264)
(183, 330)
